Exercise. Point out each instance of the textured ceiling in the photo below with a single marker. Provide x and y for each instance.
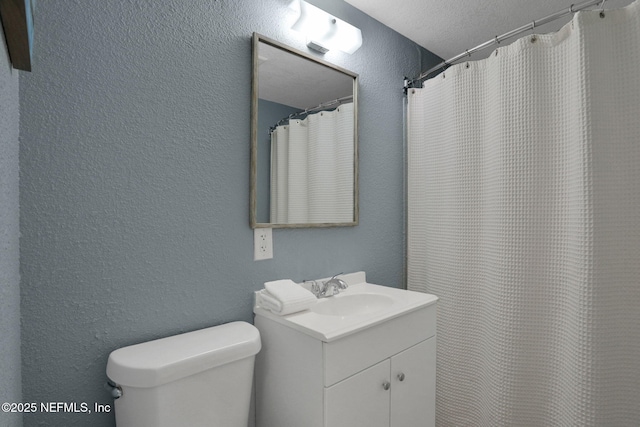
(281, 71)
(448, 28)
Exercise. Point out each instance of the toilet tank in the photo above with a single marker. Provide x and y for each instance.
(197, 379)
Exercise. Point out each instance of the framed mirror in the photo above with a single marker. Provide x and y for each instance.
(304, 140)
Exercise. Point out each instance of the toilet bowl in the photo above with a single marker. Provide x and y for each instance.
(197, 379)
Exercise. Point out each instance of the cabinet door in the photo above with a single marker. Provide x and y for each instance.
(413, 386)
(361, 400)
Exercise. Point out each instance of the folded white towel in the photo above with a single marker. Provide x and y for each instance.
(285, 297)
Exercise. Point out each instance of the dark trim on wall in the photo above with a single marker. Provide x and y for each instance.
(17, 25)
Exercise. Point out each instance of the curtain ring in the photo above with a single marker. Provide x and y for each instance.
(497, 40)
(602, 14)
(571, 8)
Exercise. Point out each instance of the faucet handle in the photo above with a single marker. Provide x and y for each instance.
(321, 290)
(315, 287)
(341, 283)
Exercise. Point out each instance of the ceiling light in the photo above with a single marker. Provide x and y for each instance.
(325, 32)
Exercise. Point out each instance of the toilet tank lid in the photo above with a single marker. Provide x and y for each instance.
(153, 363)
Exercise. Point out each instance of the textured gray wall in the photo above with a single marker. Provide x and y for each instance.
(10, 387)
(134, 182)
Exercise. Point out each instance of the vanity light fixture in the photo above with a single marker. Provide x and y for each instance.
(325, 32)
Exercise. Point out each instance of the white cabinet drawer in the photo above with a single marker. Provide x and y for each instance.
(354, 353)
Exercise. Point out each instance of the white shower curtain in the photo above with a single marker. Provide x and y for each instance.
(524, 218)
(312, 169)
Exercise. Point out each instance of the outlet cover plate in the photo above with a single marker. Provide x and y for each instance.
(262, 243)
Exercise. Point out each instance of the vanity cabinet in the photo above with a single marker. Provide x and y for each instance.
(380, 376)
(397, 392)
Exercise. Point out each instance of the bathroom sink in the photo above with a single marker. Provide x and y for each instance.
(352, 304)
(361, 306)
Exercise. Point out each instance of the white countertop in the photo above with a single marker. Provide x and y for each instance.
(331, 327)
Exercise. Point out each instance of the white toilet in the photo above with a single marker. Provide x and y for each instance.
(197, 379)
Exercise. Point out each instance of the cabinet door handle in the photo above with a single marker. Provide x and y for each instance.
(401, 376)
(386, 385)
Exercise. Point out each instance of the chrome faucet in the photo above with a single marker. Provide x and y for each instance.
(334, 284)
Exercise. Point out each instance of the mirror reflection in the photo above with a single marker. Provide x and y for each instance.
(304, 140)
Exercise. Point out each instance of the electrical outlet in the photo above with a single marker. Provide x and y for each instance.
(262, 243)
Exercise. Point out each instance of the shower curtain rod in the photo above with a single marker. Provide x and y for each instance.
(324, 105)
(497, 39)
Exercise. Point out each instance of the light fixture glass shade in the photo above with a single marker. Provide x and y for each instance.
(325, 32)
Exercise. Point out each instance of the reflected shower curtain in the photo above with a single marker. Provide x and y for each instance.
(524, 218)
(312, 178)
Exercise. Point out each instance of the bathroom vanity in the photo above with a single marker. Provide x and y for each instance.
(365, 357)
